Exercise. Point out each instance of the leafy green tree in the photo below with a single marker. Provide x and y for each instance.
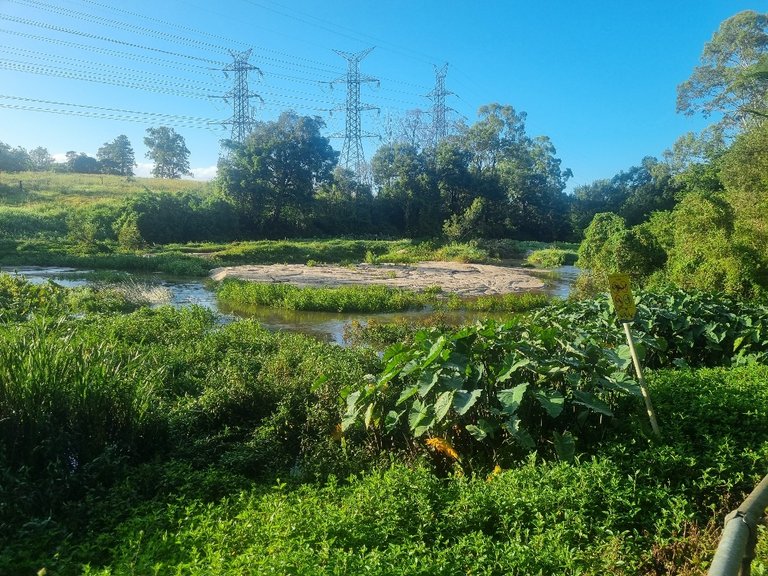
(408, 195)
(117, 157)
(167, 149)
(592, 251)
(498, 134)
(81, 163)
(534, 183)
(273, 175)
(744, 173)
(40, 160)
(726, 80)
(13, 159)
(603, 195)
(344, 205)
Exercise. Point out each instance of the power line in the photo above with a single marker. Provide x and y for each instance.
(70, 109)
(126, 82)
(126, 27)
(175, 64)
(29, 22)
(92, 66)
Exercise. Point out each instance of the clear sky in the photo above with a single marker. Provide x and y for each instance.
(597, 77)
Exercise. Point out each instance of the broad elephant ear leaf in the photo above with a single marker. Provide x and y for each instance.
(591, 402)
(551, 400)
(511, 398)
(464, 400)
(565, 446)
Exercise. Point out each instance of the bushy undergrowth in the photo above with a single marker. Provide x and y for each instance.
(552, 257)
(152, 442)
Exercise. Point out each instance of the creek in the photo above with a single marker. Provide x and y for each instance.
(328, 326)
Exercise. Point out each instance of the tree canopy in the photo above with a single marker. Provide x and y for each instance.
(168, 151)
(276, 171)
(117, 157)
(731, 78)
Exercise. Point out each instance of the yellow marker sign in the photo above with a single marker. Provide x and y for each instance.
(621, 294)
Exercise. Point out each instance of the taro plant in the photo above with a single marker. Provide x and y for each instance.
(494, 389)
(497, 389)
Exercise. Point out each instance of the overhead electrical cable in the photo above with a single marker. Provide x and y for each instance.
(101, 111)
(126, 27)
(108, 52)
(91, 67)
(47, 26)
(101, 79)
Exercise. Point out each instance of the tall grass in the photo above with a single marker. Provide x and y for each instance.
(53, 253)
(239, 293)
(552, 257)
(65, 399)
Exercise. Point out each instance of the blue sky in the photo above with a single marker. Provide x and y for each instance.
(597, 77)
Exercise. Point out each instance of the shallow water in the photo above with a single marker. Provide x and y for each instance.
(328, 326)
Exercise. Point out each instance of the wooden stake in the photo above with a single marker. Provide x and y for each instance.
(641, 380)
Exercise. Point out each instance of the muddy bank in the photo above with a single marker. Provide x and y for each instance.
(456, 277)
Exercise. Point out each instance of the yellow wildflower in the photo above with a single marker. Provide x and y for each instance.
(442, 446)
(496, 471)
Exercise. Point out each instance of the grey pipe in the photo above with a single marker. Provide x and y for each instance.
(737, 544)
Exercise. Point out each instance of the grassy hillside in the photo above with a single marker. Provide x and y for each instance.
(44, 189)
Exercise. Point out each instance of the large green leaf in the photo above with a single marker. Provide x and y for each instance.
(511, 367)
(514, 426)
(406, 393)
(368, 415)
(426, 380)
(482, 430)
(352, 401)
(511, 398)
(463, 400)
(435, 351)
(419, 418)
(452, 381)
(591, 402)
(551, 400)
(565, 446)
(443, 404)
(391, 419)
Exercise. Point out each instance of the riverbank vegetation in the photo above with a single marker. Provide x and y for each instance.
(160, 441)
(243, 295)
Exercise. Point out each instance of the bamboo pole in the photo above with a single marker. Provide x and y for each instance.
(641, 380)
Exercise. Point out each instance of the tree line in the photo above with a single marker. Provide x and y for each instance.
(165, 147)
(490, 179)
(709, 229)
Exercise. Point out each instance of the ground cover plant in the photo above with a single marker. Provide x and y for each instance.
(225, 452)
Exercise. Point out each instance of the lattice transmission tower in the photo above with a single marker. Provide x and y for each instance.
(439, 109)
(242, 116)
(352, 155)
